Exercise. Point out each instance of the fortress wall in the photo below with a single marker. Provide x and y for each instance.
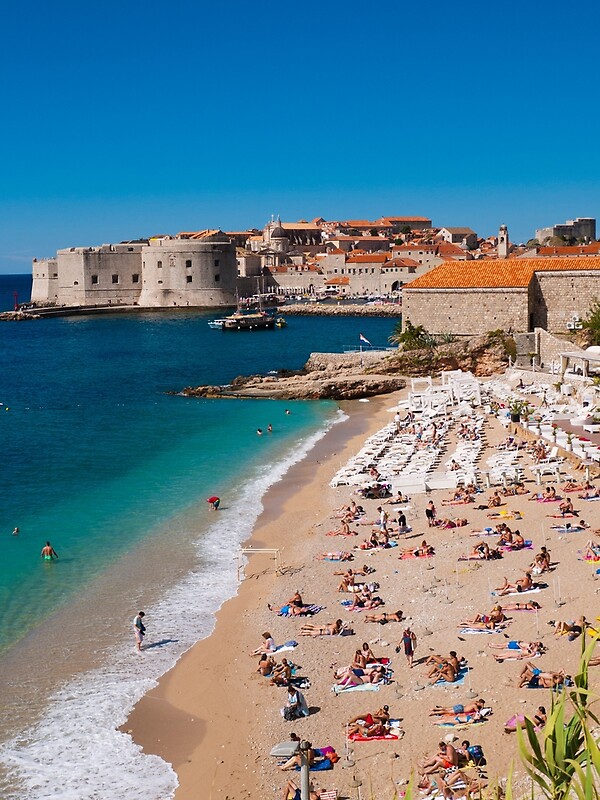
(466, 311)
(44, 288)
(184, 272)
(565, 294)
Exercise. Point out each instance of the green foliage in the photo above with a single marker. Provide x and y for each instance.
(563, 759)
(592, 323)
(532, 243)
(416, 337)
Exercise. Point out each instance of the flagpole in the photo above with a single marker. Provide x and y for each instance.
(361, 357)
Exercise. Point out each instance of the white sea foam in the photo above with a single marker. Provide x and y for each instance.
(76, 752)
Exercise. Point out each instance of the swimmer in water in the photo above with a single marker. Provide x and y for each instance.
(269, 428)
(15, 532)
(48, 552)
(259, 431)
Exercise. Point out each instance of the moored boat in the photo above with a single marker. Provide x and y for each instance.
(254, 320)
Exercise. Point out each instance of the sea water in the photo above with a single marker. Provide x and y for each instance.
(99, 459)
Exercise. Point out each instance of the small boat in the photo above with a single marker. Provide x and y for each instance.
(216, 324)
(254, 320)
(280, 322)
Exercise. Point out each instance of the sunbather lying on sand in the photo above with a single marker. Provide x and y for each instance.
(295, 606)
(486, 621)
(364, 599)
(483, 551)
(469, 708)
(529, 606)
(358, 677)
(548, 680)
(512, 491)
(572, 629)
(541, 562)
(337, 556)
(516, 650)
(330, 629)
(381, 715)
(424, 550)
(375, 729)
(520, 585)
(396, 616)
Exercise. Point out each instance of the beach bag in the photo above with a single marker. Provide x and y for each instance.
(476, 753)
(289, 714)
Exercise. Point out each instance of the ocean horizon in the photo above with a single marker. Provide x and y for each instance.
(115, 472)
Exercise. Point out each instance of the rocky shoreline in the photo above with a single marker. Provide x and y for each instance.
(346, 310)
(325, 376)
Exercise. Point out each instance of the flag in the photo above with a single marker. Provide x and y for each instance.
(363, 339)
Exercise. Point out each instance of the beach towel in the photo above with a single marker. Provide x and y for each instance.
(357, 737)
(319, 766)
(383, 662)
(485, 532)
(535, 590)
(510, 726)
(589, 499)
(468, 631)
(593, 560)
(364, 687)
(562, 516)
(287, 646)
(571, 529)
(455, 721)
(516, 657)
(473, 558)
(460, 679)
(307, 611)
(527, 546)
(335, 557)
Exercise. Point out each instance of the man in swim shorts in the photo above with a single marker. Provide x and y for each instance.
(139, 629)
(48, 552)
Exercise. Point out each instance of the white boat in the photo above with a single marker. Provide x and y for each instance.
(216, 324)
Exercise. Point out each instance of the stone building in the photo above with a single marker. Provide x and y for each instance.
(583, 228)
(192, 269)
(464, 236)
(85, 276)
(516, 295)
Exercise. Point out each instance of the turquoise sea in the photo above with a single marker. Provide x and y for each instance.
(99, 459)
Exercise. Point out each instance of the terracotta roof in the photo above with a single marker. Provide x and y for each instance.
(340, 281)
(449, 249)
(429, 247)
(359, 223)
(339, 236)
(333, 251)
(198, 234)
(404, 219)
(488, 274)
(565, 250)
(367, 258)
(401, 262)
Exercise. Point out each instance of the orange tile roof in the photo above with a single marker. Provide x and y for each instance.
(341, 281)
(404, 219)
(401, 262)
(367, 258)
(448, 249)
(566, 250)
(488, 274)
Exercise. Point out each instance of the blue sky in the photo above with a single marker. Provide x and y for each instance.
(130, 119)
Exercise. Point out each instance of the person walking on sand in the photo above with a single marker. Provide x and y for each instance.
(409, 642)
(139, 629)
(48, 552)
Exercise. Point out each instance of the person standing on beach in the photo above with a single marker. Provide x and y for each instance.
(430, 513)
(383, 519)
(409, 642)
(48, 552)
(139, 629)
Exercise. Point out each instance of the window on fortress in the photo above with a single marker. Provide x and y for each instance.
(188, 264)
(115, 278)
(159, 264)
(216, 262)
(135, 278)
(75, 283)
(217, 278)
(188, 278)
(55, 274)
(94, 279)
(160, 281)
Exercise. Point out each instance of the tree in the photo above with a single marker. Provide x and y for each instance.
(532, 243)
(406, 229)
(412, 337)
(592, 323)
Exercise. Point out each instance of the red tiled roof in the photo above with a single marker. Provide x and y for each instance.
(404, 219)
(488, 274)
(367, 258)
(565, 250)
(340, 281)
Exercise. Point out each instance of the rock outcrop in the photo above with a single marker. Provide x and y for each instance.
(347, 310)
(17, 316)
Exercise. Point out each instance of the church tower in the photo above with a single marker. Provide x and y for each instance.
(503, 242)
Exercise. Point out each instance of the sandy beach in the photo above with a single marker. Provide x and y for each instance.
(215, 718)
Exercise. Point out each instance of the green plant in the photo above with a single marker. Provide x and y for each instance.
(592, 322)
(518, 406)
(563, 759)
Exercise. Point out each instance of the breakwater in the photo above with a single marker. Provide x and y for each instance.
(346, 310)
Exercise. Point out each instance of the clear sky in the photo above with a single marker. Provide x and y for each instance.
(126, 119)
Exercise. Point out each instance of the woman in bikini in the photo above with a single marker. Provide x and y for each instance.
(331, 629)
(384, 618)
